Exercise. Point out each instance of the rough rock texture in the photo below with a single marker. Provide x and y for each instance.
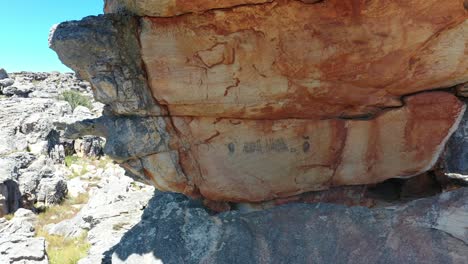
(173, 7)
(30, 145)
(175, 229)
(114, 207)
(254, 100)
(109, 59)
(455, 159)
(89, 147)
(337, 58)
(17, 242)
(234, 160)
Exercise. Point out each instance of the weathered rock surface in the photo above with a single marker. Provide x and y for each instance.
(256, 160)
(173, 7)
(287, 59)
(17, 242)
(175, 229)
(125, 90)
(30, 146)
(251, 100)
(89, 147)
(114, 207)
(455, 159)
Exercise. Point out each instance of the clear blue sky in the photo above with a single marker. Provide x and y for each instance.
(24, 31)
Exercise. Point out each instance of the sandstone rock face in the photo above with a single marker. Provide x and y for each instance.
(175, 229)
(172, 7)
(326, 60)
(251, 100)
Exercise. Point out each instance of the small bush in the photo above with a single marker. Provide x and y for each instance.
(9, 216)
(75, 99)
(69, 160)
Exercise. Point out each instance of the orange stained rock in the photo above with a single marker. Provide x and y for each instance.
(168, 8)
(258, 160)
(288, 59)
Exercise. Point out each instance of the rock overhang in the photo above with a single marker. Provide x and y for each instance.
(258, 101)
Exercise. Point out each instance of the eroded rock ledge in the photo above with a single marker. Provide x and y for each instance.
(249, 101)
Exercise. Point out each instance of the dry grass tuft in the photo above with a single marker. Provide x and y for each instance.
(63, 250)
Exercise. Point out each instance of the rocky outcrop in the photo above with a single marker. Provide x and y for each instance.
(31, 149)
(250, 100)
(17, 242)
(175, 229)
(115, 205)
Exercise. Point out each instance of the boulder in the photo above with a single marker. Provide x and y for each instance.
(10, 197)
(253, 100)
(51, 191)
(42, 183)
(3, 74)
(175, 229)
(6, 82)
(17, 241)
(21, 91)
(89, 146)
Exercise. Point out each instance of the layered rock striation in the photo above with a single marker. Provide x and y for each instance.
(252, 100)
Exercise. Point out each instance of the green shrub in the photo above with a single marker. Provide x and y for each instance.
(69, 160)
(75, 99)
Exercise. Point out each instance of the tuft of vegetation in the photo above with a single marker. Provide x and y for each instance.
(66, 210)
(9, 216)
(69, 160)
(63, 250)
(76, 99)
(119, 226)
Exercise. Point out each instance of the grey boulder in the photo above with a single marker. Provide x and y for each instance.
(3, 74)
(6, 82)
(21, 91)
